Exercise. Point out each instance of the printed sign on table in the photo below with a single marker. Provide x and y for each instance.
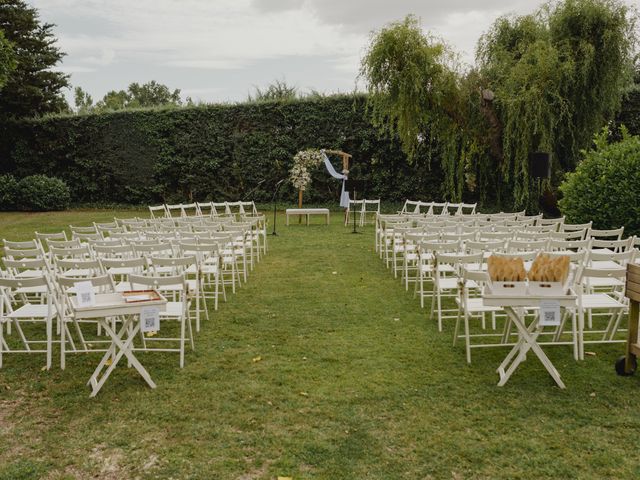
(150, 319)
(549, 313)
(85, 295)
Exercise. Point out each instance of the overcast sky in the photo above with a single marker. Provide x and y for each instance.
(219, 50)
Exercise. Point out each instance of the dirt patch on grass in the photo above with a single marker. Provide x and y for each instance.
(108, 462)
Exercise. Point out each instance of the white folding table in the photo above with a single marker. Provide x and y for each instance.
(515, 306)
(308, 212)
(112, 305)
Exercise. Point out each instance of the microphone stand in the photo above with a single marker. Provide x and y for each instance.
(273, 200)
(354, 213)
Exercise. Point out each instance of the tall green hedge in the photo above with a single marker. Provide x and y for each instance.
(212, 152)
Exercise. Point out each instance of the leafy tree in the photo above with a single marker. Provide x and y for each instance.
(150, 94)
(558, 77)
(277, 91)
(545, 81)
(7, 59)
(82, 100)
(416, 92)
(114, 100)
(33, 88)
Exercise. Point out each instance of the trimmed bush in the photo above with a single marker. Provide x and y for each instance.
(39, 193)
(605, 187)
(8, 192)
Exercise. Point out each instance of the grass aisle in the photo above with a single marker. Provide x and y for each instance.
(322, 366)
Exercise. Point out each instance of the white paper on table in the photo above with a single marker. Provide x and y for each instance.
(85, 296)
(150, 319)
(549, 313)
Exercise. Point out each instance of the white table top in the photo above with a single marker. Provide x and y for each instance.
(307, 210)
(110, 304)
(491, 300)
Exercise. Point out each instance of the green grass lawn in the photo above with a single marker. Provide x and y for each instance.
(353, 382)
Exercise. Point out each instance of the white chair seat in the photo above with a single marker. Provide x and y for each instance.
(32, 311)
(173, 309)
(29, 274)
(600, 282)
(451, 283)
(475, 305)
(600, 300)
(31, 290)
(79, 272)
(121, 270)
(606, 264)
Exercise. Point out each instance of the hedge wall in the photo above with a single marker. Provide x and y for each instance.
(630, 114)
(216, 152)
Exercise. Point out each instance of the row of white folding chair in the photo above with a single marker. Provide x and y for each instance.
(435, 208)
(255, 237)
(365, 209)
(245, 233)
(590, 274)
(470, 308)
(610, 305)
(419, 251)
(80, 259)
(84, 265)
(24, 293)
(173, 287)
(211, 209)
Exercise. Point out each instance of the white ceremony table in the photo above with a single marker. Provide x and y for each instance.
(308, 212)
(515, 308)
(112, 305)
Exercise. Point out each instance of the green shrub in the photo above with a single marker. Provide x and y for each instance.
(605, 186)
(8, 191)
(40, 193)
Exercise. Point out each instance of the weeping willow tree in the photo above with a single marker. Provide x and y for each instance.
(558, 76)
(542, 82)
(414, 92)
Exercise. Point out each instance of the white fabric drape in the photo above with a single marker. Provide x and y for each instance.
(344, 195)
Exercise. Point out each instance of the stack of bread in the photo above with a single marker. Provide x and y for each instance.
(549, 269)
(545, 269)
(506, 269)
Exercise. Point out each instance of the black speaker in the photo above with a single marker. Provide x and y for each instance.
(540, 165)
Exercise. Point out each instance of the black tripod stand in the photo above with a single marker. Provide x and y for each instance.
(354, 186)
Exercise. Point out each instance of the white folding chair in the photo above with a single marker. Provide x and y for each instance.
(175, 288)
(471, 306)
(16, 311)
(175, 210)
(354, 206)
(84, 341)
(158, 211)
(370, 209)
(446, 271)
(615, 233)
(189, 267)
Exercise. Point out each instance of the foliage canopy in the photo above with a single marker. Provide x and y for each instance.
(604, 186)
(150, 94)
(543, 82)
(7, 59)
(33, 88)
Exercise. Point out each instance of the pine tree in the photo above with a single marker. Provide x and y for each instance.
(33, 88)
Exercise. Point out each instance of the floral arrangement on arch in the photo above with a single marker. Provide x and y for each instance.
(303, 161)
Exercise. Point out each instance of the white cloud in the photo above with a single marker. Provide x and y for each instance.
(227, 46)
